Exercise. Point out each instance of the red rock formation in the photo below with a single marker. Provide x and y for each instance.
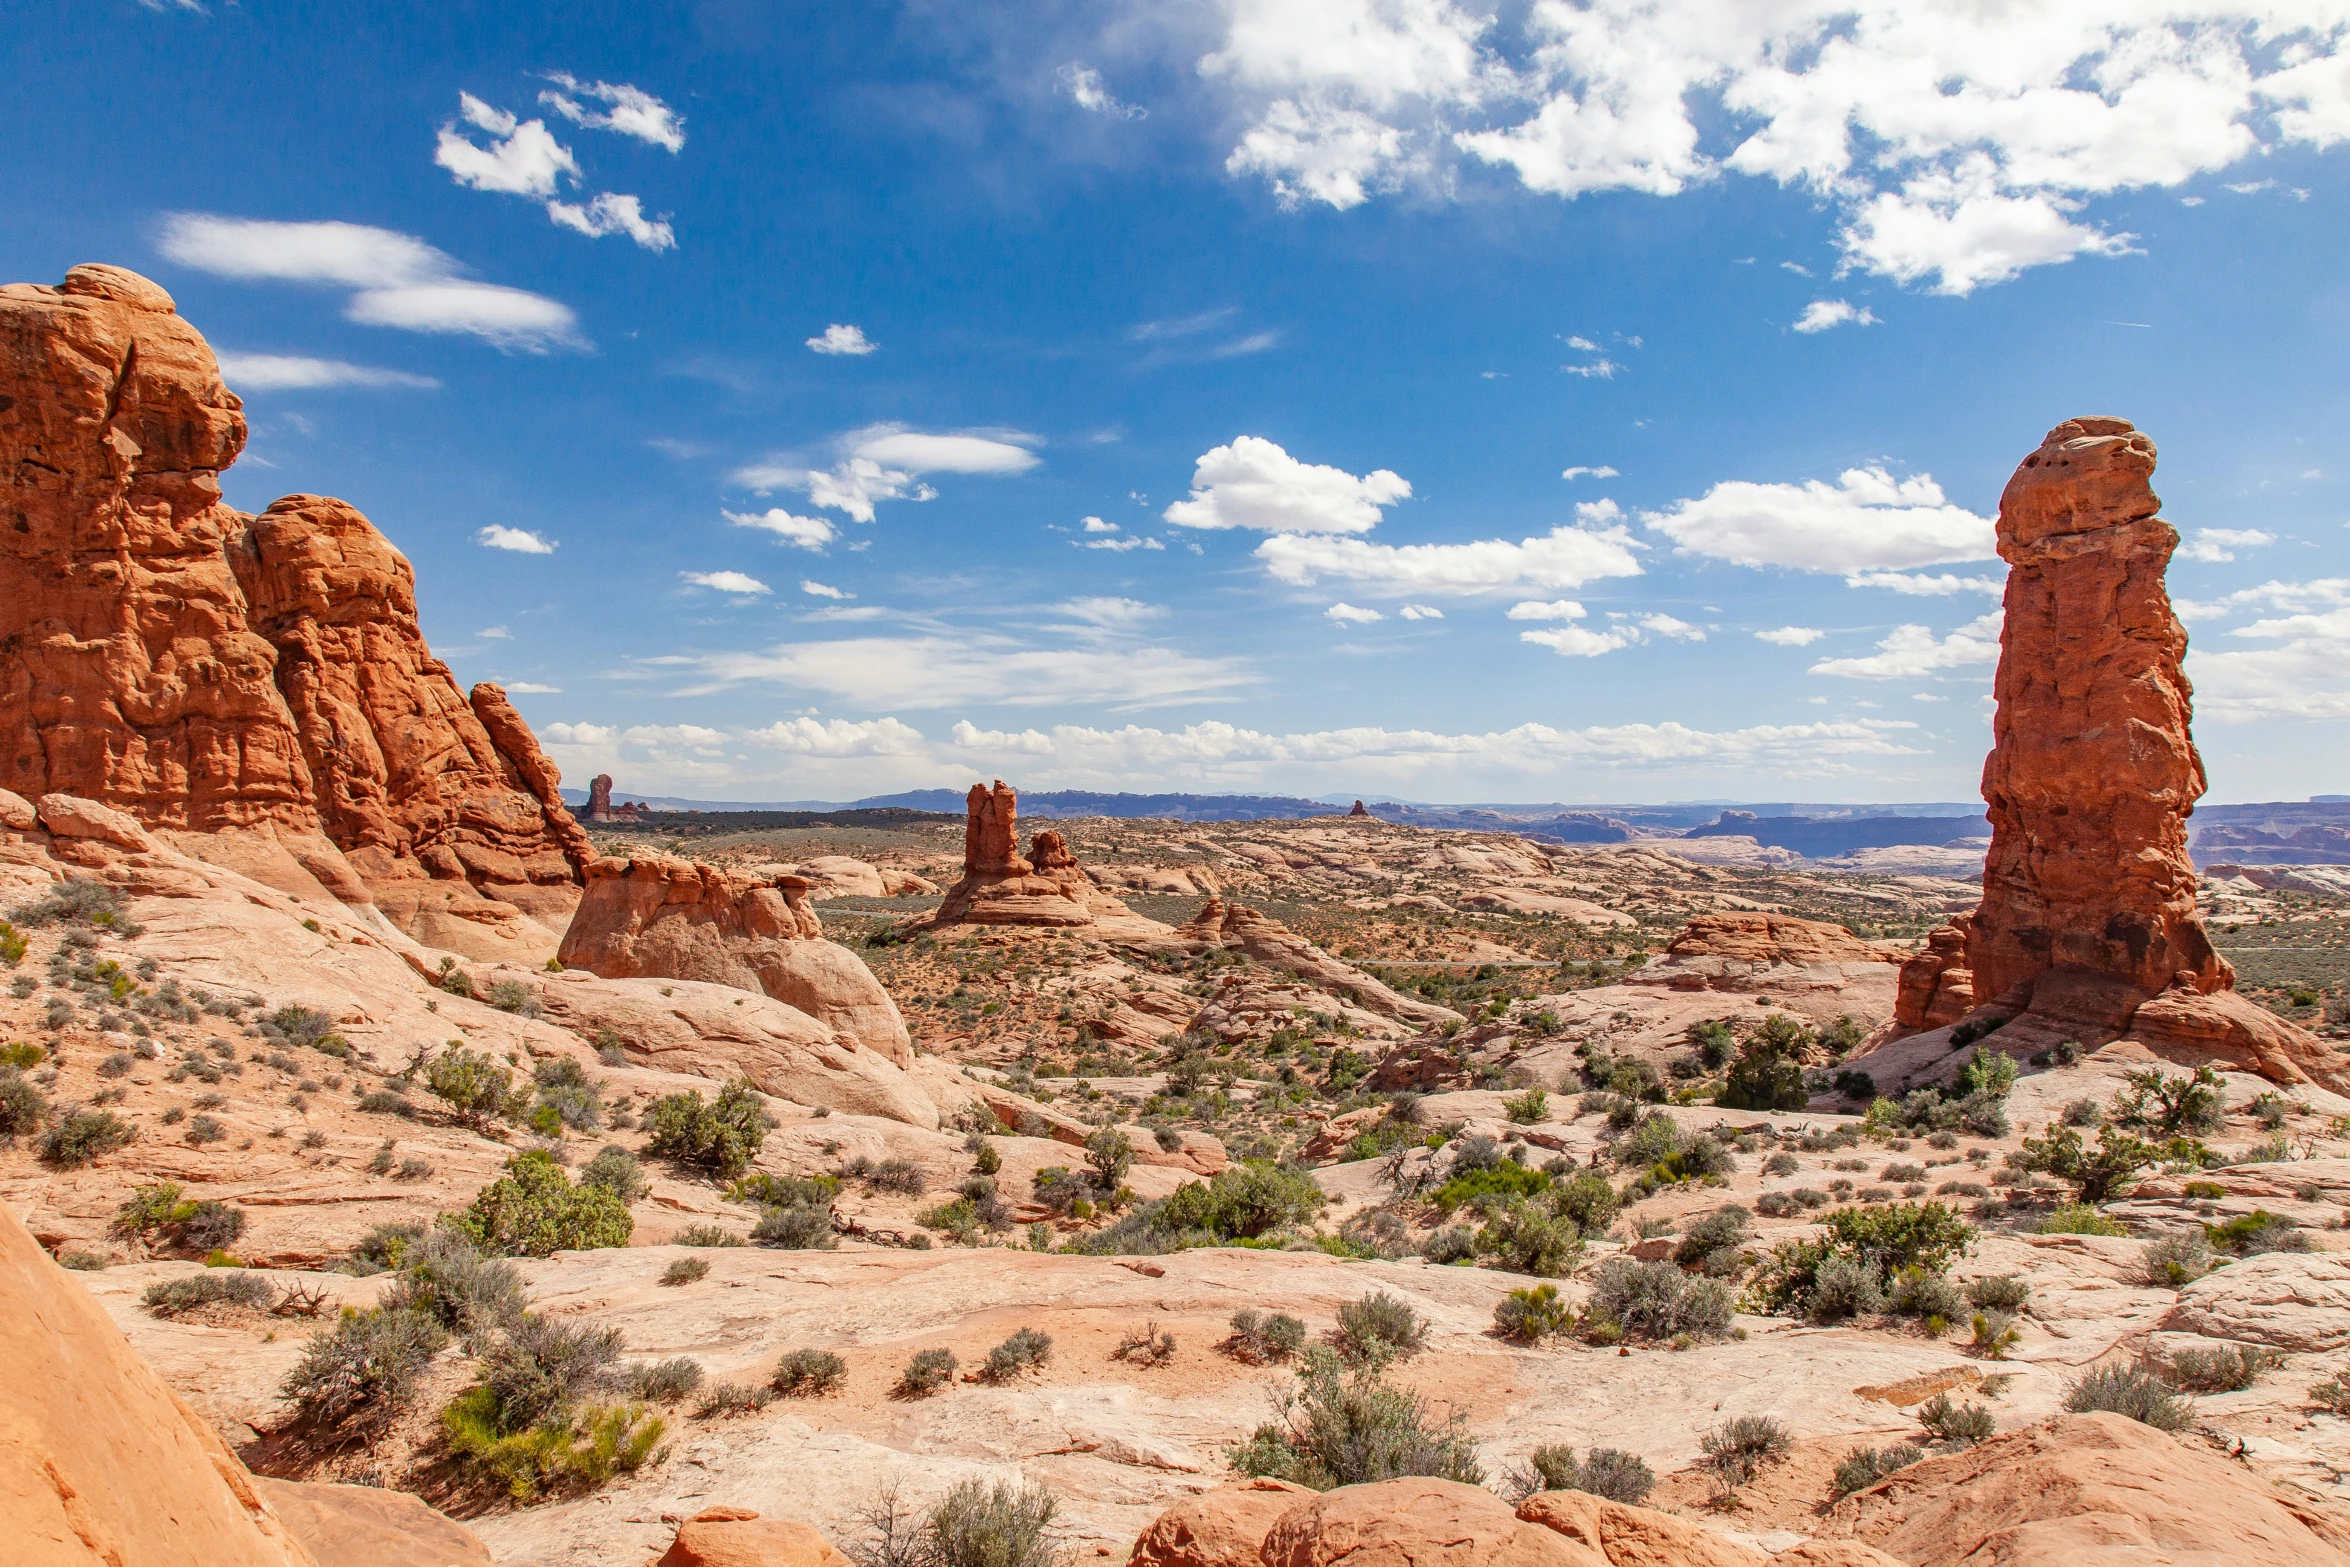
(666, 918)
(259, 677)
(2088, 893)
(739, 1537)
(1048, 887)
(1358, 810)
(599, 806)
(991, 834)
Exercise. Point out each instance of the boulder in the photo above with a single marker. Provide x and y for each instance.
(106, 1467)
(738, 1537)
(1222, 1528)
(2079, 1490)
(2229, 1030)
(1047, 887)
(1760, 952)
(658, 916)
(1415, 1523)
(370, 1526)
(1616, 1533)
(2294, 1301)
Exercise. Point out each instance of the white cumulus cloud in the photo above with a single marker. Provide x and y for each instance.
(610, 214)
(1867, 518)
(1579, 471)
(497, 536)
(807, 533)
(842, 338)
(1959, 146)
(523, 158)
(1253, 483)
(838, 737)
(633, 111)
(1567, 557)
(880, 463)
(1822, 314)
(2221, 544)
(1421, 612)
(1925, 585)
(400, 280)
(1791, 636)
(823, 590)
(1086, 89)
(725, 582)
(1351, 614)
(1912, 651)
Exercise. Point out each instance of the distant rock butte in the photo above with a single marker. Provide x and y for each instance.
(600, 807)
(1047, 887)
(259, 681)
(2088, 909)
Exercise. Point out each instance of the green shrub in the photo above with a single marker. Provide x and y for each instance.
(614, 1169)
(1656, 1301)
(2226, 1368)
(1108, 1156)
(1604, 1471)
(1379, 1327)
(1653, 1139)
(1865, 1466)
(1530, 1108)
(926, 1373)
(2096, 1175)
(1988, 1071)
(212, 1287)
(2332, 1395)
(512, 995)
(1588, 1200)
(24, 1109)
(705, 1235)
(533, 1210)
(2255, 1232)
(810, 1373)
(976, 1525)
(2078, 1218)
(1767, 1074)
(443, 1275)
(1998, 1292)
(1262, 1337)
(663, 1381)
(1843, 1287)
(1025, 1350)
(73, 901)
(572, 1449)
(1924, 1296)
(363, 1371)
(1711, 1244)
(1524, 1239)
(1504, 1183)
(732, 1398)
(797, 1229)
(472, 1085)
(1242, 1202)
(2189, 1105)
(686, 1270)
(1736, 1450)
(1532, 1315)
(564, 1093)
(1333, 1428)
(721, 1137)
(79, 1137)
(2177, 1259)
(987, 1161)
(1995, 1333)
(1954, 1425)
(2127, 1390)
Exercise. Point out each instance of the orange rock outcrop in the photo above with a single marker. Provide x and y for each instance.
(1047, 886)
(661, 917)
(2088, 902)
(261, 680)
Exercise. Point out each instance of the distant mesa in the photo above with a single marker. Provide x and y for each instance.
(2088, 930)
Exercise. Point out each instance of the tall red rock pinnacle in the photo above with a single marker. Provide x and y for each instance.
(2088, 927)
(991, 833)
(210, 672)
(2092, 772)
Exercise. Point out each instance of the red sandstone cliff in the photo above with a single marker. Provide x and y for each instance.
(256, 683)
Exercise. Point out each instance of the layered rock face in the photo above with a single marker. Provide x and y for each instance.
(667, 918)
(1740, 951)
(2088, 893)
(1046, 887)
(258, 680)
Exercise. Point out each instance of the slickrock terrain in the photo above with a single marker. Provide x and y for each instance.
(1250, 1192)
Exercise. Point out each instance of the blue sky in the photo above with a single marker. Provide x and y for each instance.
(1395, 396)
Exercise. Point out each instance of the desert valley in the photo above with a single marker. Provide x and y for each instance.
(399, 1167)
